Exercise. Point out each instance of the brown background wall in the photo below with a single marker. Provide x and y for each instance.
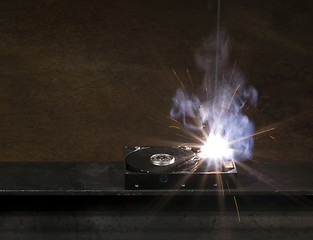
(81, 79)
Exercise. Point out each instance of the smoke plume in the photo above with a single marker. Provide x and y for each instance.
(218, 109)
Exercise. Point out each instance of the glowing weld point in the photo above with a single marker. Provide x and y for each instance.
(216, 148)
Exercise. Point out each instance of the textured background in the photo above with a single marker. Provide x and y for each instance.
(81, 79)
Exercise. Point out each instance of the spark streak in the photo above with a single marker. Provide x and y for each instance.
(174, 127)
(251, 135)
(173, 119)
(234, 201)
(232, 98)
(178, 78)
(237, 209)
(272, 137)
(189, 76)
(227, 185)
(244, 103)
(232, 73)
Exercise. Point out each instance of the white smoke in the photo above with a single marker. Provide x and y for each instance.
(218, 108)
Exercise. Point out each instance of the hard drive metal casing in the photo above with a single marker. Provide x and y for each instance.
(199, 178)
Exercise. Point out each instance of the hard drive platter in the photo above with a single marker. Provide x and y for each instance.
(162, 160)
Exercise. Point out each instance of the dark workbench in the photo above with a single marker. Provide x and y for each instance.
(107, 178)
(80, 200)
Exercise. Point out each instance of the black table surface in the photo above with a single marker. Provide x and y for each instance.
(107, 178)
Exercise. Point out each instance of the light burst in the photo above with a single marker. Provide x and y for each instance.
(215, 148)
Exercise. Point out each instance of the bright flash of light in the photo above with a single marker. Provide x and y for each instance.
(216, 148)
